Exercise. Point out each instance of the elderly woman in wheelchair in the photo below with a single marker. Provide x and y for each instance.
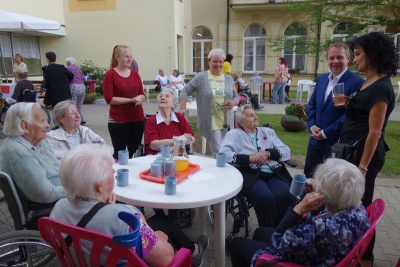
(321, 240)
(26, 156)
(160, 128)
(259, 154)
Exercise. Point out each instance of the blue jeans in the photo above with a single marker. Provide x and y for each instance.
(278, 87)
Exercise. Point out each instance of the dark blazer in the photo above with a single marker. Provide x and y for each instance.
(57, 78)
(323, 113)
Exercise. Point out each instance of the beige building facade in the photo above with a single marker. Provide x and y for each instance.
(171, 34)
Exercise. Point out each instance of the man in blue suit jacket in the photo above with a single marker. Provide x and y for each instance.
(325, 121)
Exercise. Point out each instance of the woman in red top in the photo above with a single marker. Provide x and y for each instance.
(123, 91)
(161, 128)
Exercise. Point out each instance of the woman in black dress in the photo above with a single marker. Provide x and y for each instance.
(368, 110)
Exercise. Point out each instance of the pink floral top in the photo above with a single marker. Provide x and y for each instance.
(281, 74)
(149, 238)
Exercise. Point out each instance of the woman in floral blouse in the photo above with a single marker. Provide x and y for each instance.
(321, 240)
(281, 78)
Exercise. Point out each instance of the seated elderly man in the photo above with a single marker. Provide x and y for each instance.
(70, 132)
(22, 84)
(160, 128)
(26, 155)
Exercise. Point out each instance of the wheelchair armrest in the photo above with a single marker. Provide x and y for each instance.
(290, 163)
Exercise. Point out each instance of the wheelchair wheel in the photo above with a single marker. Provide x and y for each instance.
(26, 248)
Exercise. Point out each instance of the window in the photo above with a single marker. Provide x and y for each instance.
(295, 42)
(254, 43)
(26, 46)
(201, 46)
(339, 32)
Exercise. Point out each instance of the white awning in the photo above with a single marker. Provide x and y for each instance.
(14, 22)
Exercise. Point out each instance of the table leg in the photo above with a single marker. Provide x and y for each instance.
(219, 233)
(92, 87)
(263, 94)
(270, 92)
(202, 218)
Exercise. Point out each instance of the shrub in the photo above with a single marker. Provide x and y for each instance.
(96, 73)
(297, 110)
(290, 118)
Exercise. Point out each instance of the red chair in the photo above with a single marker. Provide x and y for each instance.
(52, 232)
(398, 263)
(374, 211)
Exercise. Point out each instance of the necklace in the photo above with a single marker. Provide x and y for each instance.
(366, 80)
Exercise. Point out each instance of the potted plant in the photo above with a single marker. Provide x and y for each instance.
(295, 119)
(89, 98)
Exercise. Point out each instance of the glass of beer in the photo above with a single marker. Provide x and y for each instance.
(339, 98)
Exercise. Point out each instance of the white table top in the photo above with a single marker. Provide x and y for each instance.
(224, 183)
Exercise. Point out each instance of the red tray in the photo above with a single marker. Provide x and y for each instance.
(180, 176)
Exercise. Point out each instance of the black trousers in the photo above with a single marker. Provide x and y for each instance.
(243, 249)
(176, 237)
(126, 135)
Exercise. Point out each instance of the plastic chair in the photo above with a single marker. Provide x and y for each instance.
(256, 88)
(398, 263)
(54, 232)
(304, 86)
(374, 211)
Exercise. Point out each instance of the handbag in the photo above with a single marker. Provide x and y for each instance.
(351, 153)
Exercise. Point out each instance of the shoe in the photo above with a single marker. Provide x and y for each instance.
(260, 107)
(202, 243)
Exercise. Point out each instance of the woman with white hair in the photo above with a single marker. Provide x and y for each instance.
(258, 154)
(160, 128)
(95, 163)
(321, 240)
(77, 85)
(69, 133)
(26, 156)
(216, 95)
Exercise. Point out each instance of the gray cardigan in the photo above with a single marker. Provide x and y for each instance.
(202, 87)
(35, 172)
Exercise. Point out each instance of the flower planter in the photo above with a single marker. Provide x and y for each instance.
(294, 126)
(89, 99)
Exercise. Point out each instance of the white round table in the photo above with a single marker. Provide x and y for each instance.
(221, 184)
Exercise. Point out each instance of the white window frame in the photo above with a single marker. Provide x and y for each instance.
(293, 64)
(203, 53)
(255, 50)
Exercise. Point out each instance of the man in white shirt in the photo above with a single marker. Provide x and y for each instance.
(325, 121)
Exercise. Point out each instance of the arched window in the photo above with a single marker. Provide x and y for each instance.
(339, 32)
(201, 46)
(254, 43)
(295, 41)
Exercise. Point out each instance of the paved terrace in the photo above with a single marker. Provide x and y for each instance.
(387, 248)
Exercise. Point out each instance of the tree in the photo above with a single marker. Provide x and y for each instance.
(363, 16)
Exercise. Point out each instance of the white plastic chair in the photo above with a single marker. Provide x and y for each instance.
(304, 86)
(256, 88)
(398, 92)
(146, 90)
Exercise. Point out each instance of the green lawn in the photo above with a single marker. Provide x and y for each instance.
(298, 143)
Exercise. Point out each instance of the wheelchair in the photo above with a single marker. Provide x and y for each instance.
(239, 208)
(20, 245)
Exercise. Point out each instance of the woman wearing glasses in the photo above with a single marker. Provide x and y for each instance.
(368, 110)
